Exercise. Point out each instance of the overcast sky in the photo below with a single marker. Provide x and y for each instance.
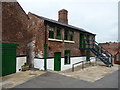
(97, 16)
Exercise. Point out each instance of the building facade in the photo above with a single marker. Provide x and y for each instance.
(48, 44)
(15, 26)
(15, 30)
(57, 40)
(114, 49)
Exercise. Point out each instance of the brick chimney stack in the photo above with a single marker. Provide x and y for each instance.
(63, 16)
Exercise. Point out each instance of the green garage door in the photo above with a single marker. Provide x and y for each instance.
(8, 60)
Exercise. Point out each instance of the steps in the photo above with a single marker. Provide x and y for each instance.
(101, 53)
(106, 59)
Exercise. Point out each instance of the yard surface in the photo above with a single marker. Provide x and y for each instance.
(92, 76)
(55, 80)
(91, 72)
(12, 80)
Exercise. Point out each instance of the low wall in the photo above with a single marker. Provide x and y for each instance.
(39, 63)
(20, 62)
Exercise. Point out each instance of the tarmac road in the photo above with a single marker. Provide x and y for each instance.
(55, 80)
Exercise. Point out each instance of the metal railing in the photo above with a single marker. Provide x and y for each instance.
(73, 66)
(93, 44)
(77, 63)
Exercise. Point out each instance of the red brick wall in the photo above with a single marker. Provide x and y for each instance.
(36, 26)
(0, 21)
(19, 28)
(15, 26)
(63, 16)
(56, 46)
(113, 48)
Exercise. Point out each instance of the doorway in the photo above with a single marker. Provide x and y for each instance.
(57, 61)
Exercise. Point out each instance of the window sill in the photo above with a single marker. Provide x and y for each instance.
(69, 41)
(50, 39)
(67, 64)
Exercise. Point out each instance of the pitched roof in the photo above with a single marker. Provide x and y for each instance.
(112, 47)
(62, 24)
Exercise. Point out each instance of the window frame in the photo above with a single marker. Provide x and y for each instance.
(118, 57)
(52, 31)
(58, 36)
(71, 31)
(67, 54)
(66, 33)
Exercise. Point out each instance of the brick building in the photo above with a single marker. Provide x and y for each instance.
(45, 43)
(15, 26)
(114, 49)
(15, 29)
(59, 40)
(59, 36)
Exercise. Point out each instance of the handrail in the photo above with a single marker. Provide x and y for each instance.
(90, 44)
(97, 44)
(104, 49)
(77, 63)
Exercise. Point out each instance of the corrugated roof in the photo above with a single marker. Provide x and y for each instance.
(62, 24)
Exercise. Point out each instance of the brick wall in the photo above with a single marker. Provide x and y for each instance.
(113, 48)
(27, 30)
(36, 26)
(15, 26)
(58, 46)
(0, 21)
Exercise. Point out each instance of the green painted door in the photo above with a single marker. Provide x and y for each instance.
(87, 46)
(82, 41)
(87, 55)
(87, 41)
(57, 61)
(8, 60)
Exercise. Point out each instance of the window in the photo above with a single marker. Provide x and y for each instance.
(71, 35)
(67, 57)
(118, 57)
(82, 40)
(51, 32)
(58, 33)
(66, 34)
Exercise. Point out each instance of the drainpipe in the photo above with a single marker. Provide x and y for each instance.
(45, 49)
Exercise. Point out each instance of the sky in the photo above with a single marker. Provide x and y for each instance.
(97, 16)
